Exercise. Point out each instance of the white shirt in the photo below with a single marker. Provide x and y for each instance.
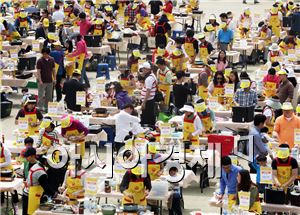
(197, 125)
(58, 15)
(124, 124)
(268, 112)
(150, 84)
(279, 16)
(2, 28)
(7, 156)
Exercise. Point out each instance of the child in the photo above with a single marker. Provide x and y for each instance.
(261, 161)
(174, 203)
(28, 142)
(26, 95)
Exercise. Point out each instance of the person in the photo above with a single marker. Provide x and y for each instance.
(192, 126)
(58, 55)
(159, 52)
(261, 161)
(234, 79)
(46, 76)
(48, 136)
(180, 91)
(82, 55)
(271, 81)
(98, 28)
(63, 33)
(89, 8)
(274, 52)
(167, 9)
(70, 88)
(286, 44)
(155, 6)
(274, 18)
(5, 164)
(228, 180)
(203, 81)
(131, 11)
(126, 79)
(71, 14)
(178, 56)
(285, 167)
(37, 184)
(154, 162)
(133, 61)
(205, 48)
(121, 96)
(175, 204)
(285, 91)
(162, 28)
(23, 21)
(206, 115)
(124, 123)
(164, 76)
(74, 131)
(211, 27)
(191, 46)
(32, 114)
(225, 37)
(42, 31)
(272, 104)
(45, 14)
(245, 22)
(28, 142)
(245, 184)
(265, 34)
(216, 86)
(84, 24)
(148, 93)
(58, 15)
(285, 125)
(221, 62)
(245, 96)
(74, 180)
(10, 31)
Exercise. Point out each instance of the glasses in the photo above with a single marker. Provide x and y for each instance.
(219, 78)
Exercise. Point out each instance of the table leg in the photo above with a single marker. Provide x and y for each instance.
(160, 207)
(245, 58)
(105, 200)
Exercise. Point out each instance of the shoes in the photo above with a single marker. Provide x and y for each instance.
(256, 2)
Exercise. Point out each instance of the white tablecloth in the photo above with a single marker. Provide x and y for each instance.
(11, 186)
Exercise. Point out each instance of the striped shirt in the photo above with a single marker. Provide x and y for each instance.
(150, 84)
(52, 134)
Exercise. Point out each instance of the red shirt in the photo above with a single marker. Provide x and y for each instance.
(272, 78)
(84, 26)
(168, 7)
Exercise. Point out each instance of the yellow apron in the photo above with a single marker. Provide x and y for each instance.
(135, 67)
(270, 89)
(16, 13)
(188, 127)
(165, 88)
(284, 171)
(23, 23)
(274, 22)
(70, 69)
(98, 31)
(87, 9)
(273, 57)
(231, 201)
(125, 84)
(153, 169)
(73, 185)
(189, 47)
(283, 49)
(202, 92)
(170, 17)
(178, 63)
(206, 122)
(256, 208)
(203, 53)
(137, 189)
(74, 132)
(80, 60)
(271, 126)
(2, 160)
(263, 35)
(34, 198)
(31, 117)
(219, 91)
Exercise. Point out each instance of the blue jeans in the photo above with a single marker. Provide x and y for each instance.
(83, 74)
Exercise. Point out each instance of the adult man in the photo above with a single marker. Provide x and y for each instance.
(245, 96)
(84, 24)
(70, 88)
(131, 11)
(165, 76)
(285, 167)
(63, 32)
(124, 123)
(42, 31)
(46, 76)
(148, 93)
(81, 53)
(191, 45)
(225, 37)
(205, 47)
(36, 183)
(285, 91)
(228, 179)
(58, 15)
(285, 125)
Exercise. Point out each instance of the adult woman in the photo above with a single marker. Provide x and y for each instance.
(221, 62)
(69, 67)
(121, 96)
(234, 79)
(216, 87)
(246, 185)
(271, 82)
(272, 104)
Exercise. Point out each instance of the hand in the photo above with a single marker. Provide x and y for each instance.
(33, 124)
(61, 189)
(277, 184)
(129, 195)
(219, 197)
(190, 136)
(146, 192)
(40, 82)
(72, 138)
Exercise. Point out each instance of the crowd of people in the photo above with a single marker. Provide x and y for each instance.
(162, 85)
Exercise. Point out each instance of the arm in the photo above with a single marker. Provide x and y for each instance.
(125, 182)
(292, 179)
(38, 76)
(260, 144)
(222, 185)
(78, 51)
(43, 180)
(290, 94)
(198, 127)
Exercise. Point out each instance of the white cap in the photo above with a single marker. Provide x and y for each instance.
(187, 108)
(146, 65)
(212, 16)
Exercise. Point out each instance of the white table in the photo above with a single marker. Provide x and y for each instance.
(40, 212)
(11, 186)
(110, 120)
(103, 50)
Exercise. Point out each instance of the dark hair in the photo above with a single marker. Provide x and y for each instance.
(200, 101)
(293, 81)
(223, 15)
(46, 11)
(118, 87)
(271, 71)
(261, 24)
(218, 60)
(78, 37)
(151, 139)
(284, 145)
(56, 7)
(215, 81)
(161, 61)
(70, 43)
(128, 106)
(244, 75)
(82, 15)
(189, 33)
(179, 40)
(24, 90)
(246, 182)
(5, 24)
(261, 158)
(275, 64)
(28, 140)
(226, 160)
(259, 118)
(180, 74)
(45, 50)
(237, 80)
(173, 168)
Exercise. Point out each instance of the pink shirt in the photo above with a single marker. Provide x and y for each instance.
(80, 48)
(84, 27)
(271, 78)
(221, 65)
